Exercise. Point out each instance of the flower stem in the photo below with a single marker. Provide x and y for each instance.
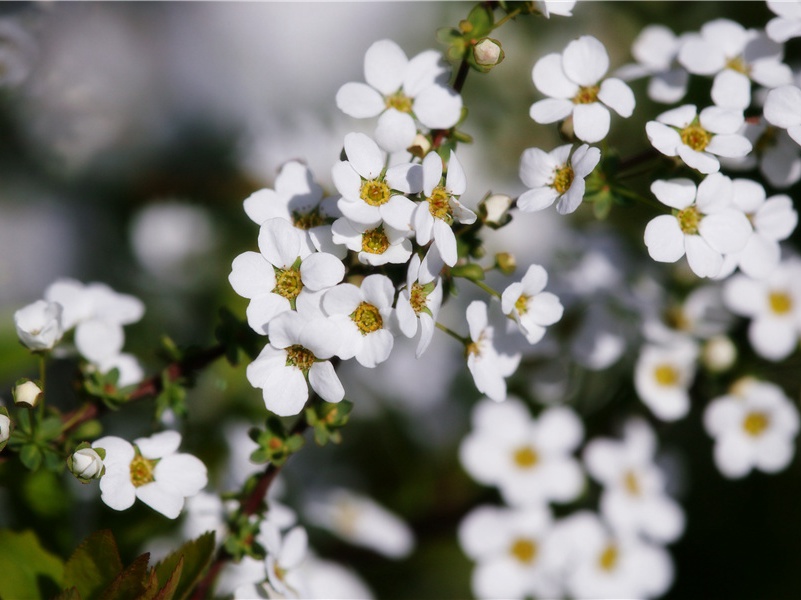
(452, 333)
(486, 288)
(511, 15)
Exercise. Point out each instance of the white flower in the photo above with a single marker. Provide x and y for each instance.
(787, 24)
(531, 307)
(150, 470)
(371, 192)
(363, 314)
(325, 579)
(86, 464)
(783, 109)
(556, 176)
(662, 378)
(529, 460)
(436, 214)
(510, 546)
(773, 220)
(634, 500)
(547, 8)
(699, 138)
(375, 245)
(296, 358)
(573, 83)
(39, 325)
(401, 91)
(297, 198)
(285, 554)
(599, 564)
(419, 302)
(773, 304)
(282, 274)
(735, 55)
(27, 394)
(487, 365)
(775, 152)
(361, 521)
(655, 51)
(754, 427)
(705, 224)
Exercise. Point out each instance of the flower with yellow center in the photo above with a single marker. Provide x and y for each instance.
(663, 375)
(374, 244)
(532, 308)
(419, 302)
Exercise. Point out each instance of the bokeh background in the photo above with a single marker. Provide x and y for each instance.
(130, 134)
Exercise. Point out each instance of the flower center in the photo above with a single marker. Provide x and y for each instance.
(287, 283)
(695, 136)
(608, 558)
(375, 192)
(375, 241)
(780, 302)
(521, 306)
(587, 95)
(308, 220)
(439, 204)
(142, 470)
(563, 179)
(300, 357)
(738, 64)
(666, 375)
(418, 297)
(524, 550)
(768, 139)
(755, 423)
(367, 318)
(689, 218)
(631, 483)
(526, 457)
(399, 101)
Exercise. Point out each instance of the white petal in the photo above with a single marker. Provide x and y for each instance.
(320, 270)
(716, 119)
(181, 474)
(664, 239)
(406, 178)
(550, 110)
(98, 340)
(783, 106)
(376, 348)
(359, 101)
(168, 504)
(550, 79)
(731, 89)
(364, 155)
(702, 258)
(545, 309)
(702, 161)
(159, 445)
(585, 61)
(323, 379)
(384, 66)
(438, 107)
(729, 145)
(395, 131)
(342, 299)
(676, 193)
(285, 392)
(591, 122)
(279, 242)
(617, 96)
(774, 339)
(251, 275)
(263, 309)
(455, 180)
(725, 231)
(432, 172)
(559, 430)
(663, 138)
(537, 199)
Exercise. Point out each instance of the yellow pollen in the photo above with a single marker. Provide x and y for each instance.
(526, 457)
(142, 470)
(439, 204)
(400, 102)
(375, 192)
(689, 218)
(780, 302)
(472, 348)
(631, 483)
(417, 298)
(375, 241)
(367, 318)
(587, 95)
(524, 550)
(738, 64)
(308, 220)
(755, 423)
(300, 357)
(563, 179)
(608, 558)
(695, 136)
(287, 283)
(666, 375)
(521, 306)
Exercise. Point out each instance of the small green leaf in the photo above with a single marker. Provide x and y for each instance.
(48, 429)
(482, 19)
(131, 584)
(27, 569)
(194, 556)
(31, 456)
(94, 565)
(471, 271)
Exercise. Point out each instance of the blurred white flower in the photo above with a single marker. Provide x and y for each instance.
(655, 49)
(754, 427)
(361, 521)
(488, 366)
(39, 325)
(783, 109)
(787, 23)
(662, 378)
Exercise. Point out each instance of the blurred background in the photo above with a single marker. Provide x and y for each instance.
(130, 134)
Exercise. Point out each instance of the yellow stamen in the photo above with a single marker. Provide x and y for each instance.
(524, 550)
(526, 457)
(375, 192)
(563, 179)
(608, 558)
(780, 302)
(142, 470)
(587, 95)
(287, 283)
(300, 357)
(755, 423)
(689, 218)
(375, 241)
(439, 204)
(666, 375)
(367, 318)
(695, 136)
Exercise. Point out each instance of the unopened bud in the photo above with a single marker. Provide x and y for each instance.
(506, 262)
(488, 52)
(719, 354)
(420, 146)
(27, 393)
(494, 209)
(86, 464)
(5, 429)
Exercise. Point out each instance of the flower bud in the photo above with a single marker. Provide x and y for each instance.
(506, 263)
(494, 210)
(27, 393)
(39, 325)
(5, 429)
(420, 146)
(719, 354)
(86, 464)
(488, 52)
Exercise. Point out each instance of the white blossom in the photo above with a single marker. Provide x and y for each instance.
(662, 378)
(39, 325)
(783, 109)
(418, 304)
(556, 176)
(488, 366)
(655, 50)
(531, 307)
(787, 22)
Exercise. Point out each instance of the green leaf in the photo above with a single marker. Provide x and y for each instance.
(48, 429)
(26, 569)
(482, 20)
(31, 456)
(167, 592)
(131, 584)
(195, 557)
(44, 494)
(94, 565)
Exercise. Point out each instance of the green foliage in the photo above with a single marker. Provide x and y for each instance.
(182, 569)
(243, 530)
(172, 396)
(104, 387)
(471, 271)
(276, 444)
(478, 24)
(27, 570)
(327, 419)
(235, 334)
(93, 566)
